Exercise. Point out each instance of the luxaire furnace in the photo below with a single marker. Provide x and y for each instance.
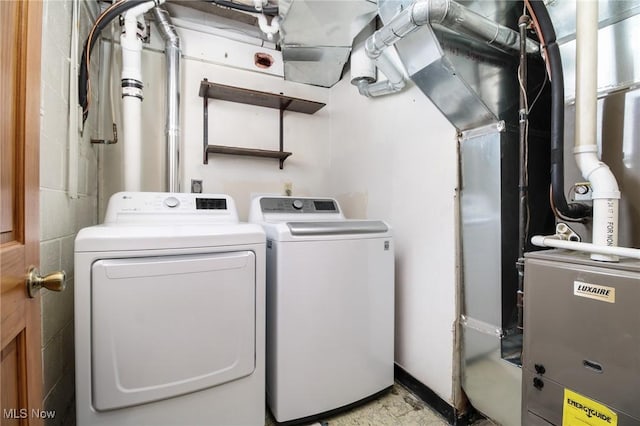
(169, 314)
(581, 360)
(330, 306)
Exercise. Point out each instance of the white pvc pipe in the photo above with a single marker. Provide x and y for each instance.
(362, 67)
(268, 29)
(606, 194)
(609, 251)
(132, 97)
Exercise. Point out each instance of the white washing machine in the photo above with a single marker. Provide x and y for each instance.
(170, 314)
(330, 306)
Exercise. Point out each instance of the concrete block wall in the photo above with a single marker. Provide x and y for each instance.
(61, 216)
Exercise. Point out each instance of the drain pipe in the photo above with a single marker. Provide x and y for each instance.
(605, 188)
(446, 13)
(132, 96)
(606, 194)
(172, 121)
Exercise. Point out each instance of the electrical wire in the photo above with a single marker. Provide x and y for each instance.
(84, 84)
(544, 83)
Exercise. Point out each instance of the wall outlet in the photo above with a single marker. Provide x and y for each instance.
(288, 189)
(196, 186)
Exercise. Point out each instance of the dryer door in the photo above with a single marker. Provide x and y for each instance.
(166, 326)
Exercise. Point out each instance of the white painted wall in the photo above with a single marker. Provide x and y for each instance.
(220, 61)
(60, 215)
(391, 158)
(395, 158)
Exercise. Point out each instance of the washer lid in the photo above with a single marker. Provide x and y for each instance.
(145, 237)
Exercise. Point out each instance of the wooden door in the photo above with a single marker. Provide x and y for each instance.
(21, 366)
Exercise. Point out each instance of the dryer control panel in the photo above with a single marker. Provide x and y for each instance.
(154, 207)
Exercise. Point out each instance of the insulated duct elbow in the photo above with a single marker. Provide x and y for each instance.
(462, 20)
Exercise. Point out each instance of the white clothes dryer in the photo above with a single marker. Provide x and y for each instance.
(170, 314)
(330, 306)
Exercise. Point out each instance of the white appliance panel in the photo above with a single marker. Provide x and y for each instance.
(349, 343)
(181, 324)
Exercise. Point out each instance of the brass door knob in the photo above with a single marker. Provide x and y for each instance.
(55, 281)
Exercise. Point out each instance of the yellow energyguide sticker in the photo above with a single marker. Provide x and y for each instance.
(579, 410)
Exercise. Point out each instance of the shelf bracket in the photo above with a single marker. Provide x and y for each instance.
(251, 97)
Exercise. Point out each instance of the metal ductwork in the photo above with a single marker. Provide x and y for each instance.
(316, 37)
(464, 61)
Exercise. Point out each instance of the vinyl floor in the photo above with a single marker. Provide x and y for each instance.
(398, 407)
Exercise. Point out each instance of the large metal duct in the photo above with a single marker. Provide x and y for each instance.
(474, 84)
(316, 37)
(466, 77)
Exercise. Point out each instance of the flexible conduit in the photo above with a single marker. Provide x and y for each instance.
(547, 34)
(84, 88)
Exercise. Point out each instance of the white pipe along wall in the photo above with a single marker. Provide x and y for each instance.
(605, 187)
(132, 96)
(606, 194)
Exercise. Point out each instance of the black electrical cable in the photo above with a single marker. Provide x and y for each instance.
(270, 11)
(102, 21)
(105, 18)
(573, 210)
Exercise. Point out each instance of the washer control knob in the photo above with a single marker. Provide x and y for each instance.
(298, 204)
(171, 202)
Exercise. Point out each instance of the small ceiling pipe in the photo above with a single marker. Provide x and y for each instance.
(172, 121)
(395, 81)
(606, 194)
(362, 67)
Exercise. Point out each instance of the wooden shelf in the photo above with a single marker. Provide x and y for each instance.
(209, 90)
(232, 150)
(254, 97)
